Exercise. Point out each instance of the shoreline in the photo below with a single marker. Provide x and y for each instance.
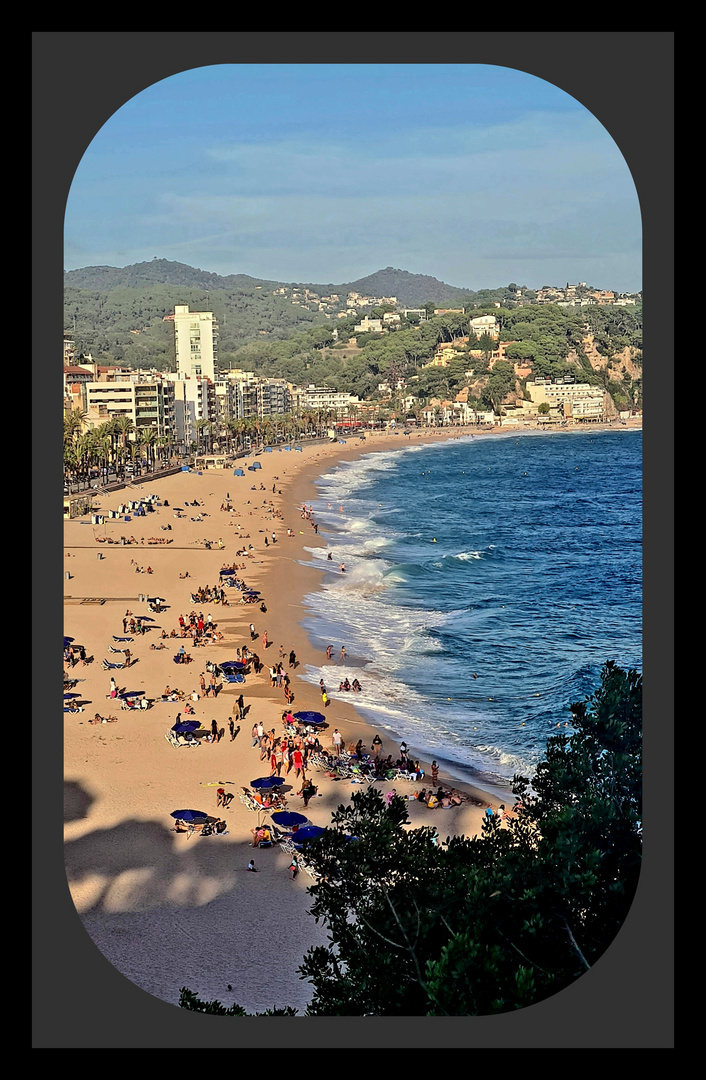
(148, 897)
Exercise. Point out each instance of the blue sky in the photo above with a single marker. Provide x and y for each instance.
(475, 174)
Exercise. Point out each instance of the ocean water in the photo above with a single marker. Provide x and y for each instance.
(487, 581)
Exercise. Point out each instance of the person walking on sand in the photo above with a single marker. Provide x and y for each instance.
(128, 657)
(377, 745)
(253, 632)
(265, 642)
(231, 728)
(292, 659)
(254, 735)
(337, 739)
(241, 707)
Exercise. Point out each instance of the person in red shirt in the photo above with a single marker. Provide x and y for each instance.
(298, 761)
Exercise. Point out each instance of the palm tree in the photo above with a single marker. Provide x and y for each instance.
(146, 443)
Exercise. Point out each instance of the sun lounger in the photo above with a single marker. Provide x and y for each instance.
(107, 666)
(122, 638)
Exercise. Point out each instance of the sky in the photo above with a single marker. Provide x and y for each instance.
(478, 175)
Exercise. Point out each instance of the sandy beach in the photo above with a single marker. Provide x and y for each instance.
(170, 909)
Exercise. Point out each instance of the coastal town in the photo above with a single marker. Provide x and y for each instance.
(152, 415)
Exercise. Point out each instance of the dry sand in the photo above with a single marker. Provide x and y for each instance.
(169, 910)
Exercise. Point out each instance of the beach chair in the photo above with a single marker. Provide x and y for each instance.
(115, 650)
(171, 738)
(121, 638)
(107, 666)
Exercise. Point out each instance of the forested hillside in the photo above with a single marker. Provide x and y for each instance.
(120, 318)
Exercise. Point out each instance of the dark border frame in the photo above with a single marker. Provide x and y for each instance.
(626, 80)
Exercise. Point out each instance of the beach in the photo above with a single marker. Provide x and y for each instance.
(172, 909)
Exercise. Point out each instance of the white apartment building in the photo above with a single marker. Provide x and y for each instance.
(194, 400)
(580, 400)
(146, 399)
(196, 338)
(324, 398)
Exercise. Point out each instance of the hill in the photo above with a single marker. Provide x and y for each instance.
(156, 272)
(411, 290)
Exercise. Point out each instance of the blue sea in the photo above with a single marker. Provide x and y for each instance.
(487, 581)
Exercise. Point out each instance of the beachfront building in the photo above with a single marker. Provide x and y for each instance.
(195, 339)
(145, 398)
(323, 398)
(579, 401)
(194, 402)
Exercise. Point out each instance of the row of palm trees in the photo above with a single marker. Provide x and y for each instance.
(117, 442)
(237, 435)
(114, 444)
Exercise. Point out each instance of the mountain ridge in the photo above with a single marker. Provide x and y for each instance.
(410, 289)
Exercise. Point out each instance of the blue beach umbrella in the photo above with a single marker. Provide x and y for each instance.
(186, 725)
(268, 449)
(189, 815)
(232, 665)
(267, 782)
(310, 717)
(298, 449)
(238, 472)
(286, 448)
(251, 592)
(308, 832)
(131, 693)
(67, 697)
(288, 818)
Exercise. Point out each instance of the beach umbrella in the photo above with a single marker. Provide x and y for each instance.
(251, 592)
(189, 815)
(67, 696)
(67, 641)
(298, 449)
(287, 818)
(286, 448)
(267, 782)
(130, 693)
(238, 472)
(256, 465)
(308, 832)
(232, 665)
(310, 717)
(186, 725)
(268, 449)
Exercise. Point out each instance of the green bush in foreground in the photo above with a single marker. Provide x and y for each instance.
(494, 923)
